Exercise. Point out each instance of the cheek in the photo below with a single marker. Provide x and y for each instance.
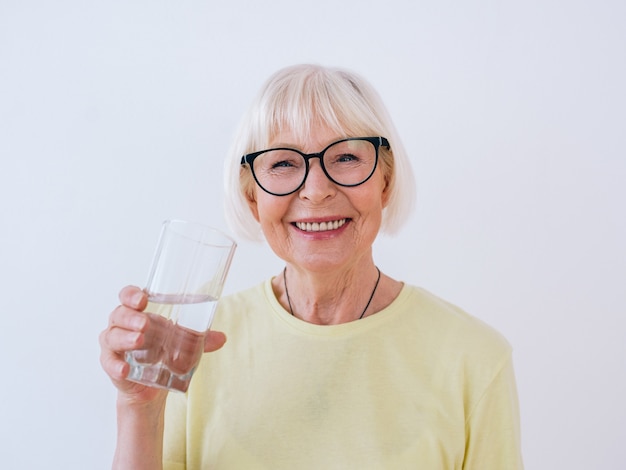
(270, 210)
(375, 197)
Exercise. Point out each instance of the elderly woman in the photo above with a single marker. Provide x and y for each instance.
(330, 363)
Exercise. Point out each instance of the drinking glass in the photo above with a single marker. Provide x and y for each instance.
(185, 282)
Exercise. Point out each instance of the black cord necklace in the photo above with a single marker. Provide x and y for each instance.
(364, 310)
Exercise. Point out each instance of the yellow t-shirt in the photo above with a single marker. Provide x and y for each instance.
(419, 385)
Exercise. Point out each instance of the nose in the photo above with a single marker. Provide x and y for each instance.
(317, 187)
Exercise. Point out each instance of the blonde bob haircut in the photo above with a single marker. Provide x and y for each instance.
(299, 98)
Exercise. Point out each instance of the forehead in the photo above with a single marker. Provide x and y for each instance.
(313, 140)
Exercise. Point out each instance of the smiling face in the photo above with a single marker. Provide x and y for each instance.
(322, 226)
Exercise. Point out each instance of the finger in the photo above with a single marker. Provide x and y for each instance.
(117, 369)
(214, 340)
(112, 361)
(119, 340)
(129, 319)
(133, 297)
(184, 349)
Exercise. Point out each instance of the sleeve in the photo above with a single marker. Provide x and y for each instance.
(175, 433)
(493, 426)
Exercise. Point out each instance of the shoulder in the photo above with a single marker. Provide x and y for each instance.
(243, 307)
(244, 297)
(452, 329)
(470, 353)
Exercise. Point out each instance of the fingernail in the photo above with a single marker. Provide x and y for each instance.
(137, 339)
(137, 298)
(138, 323)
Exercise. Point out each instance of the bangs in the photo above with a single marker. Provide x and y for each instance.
(319, 99)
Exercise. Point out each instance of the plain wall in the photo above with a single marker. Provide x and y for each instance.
(116, 115)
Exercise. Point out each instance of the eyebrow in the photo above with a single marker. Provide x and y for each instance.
(298, 148)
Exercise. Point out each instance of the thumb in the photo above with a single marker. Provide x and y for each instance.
(214, 340)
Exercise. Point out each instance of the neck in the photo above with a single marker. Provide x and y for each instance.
(326, 301)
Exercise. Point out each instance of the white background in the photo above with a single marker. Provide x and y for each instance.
(116, 115)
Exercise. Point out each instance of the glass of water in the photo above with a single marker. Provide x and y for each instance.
(185, 282)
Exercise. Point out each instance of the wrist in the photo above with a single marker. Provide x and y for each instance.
(140, 433)
(149, 400)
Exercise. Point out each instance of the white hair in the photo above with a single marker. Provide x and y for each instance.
(298, 98)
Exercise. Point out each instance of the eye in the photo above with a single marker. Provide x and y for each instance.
(346, 158)
(282, 164)
(343, 160)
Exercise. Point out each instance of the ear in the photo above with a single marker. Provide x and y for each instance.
(386, 192)
(253, 205)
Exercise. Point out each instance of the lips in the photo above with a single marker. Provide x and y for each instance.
(320, 226)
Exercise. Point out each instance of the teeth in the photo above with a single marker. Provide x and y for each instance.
(320, 227)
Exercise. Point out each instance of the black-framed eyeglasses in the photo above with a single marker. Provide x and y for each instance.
(347, 162)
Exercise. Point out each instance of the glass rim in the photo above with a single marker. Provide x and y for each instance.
(227, 240)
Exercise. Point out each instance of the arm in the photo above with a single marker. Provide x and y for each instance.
(139, 435)
(493, 426)
(140, 409)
